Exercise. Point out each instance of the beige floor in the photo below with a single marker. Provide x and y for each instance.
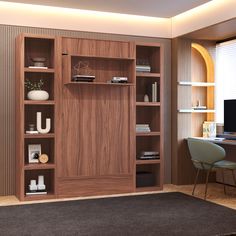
(215, 194)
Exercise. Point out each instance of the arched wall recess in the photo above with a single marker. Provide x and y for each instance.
(210, 77)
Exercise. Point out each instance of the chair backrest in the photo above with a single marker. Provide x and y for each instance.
(202, 151)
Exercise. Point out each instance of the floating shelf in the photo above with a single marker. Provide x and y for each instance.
(196, 84)
(50, 135)
(151, 161)
(148, 104)
(30, 102)
(147, 74)
(148, 134)
(39, 166)
(101, 83)
(195, 111)
(38, 70)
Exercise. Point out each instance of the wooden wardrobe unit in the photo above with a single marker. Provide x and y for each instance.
(93, 139)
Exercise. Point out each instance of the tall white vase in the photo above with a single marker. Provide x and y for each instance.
(39, 124)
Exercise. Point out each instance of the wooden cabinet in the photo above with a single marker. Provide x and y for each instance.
(29, 47)
(92, 141)
(149, 173)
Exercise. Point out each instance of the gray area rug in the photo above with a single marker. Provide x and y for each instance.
(155, 214)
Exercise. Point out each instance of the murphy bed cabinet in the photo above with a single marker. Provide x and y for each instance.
(92, 146)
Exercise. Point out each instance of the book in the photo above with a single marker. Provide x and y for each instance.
(38, 67)
(209, 129)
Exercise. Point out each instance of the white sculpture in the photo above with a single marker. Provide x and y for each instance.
(41, 185)
(33, 185)
(39, 124)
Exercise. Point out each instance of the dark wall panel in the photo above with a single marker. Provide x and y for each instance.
(7, 95)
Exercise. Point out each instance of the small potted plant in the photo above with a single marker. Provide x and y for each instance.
(35, 91)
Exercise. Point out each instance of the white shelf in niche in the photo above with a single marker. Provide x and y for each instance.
(195, 111)
(196, 84)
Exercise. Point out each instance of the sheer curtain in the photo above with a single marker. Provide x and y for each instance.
(225, 76)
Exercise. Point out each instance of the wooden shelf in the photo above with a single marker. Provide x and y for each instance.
(147, 74)
(152, 161)
(147, 133)
(31, 102)
(101, 83)
(148, 189)
(148, 104)
(196, 84)
(103, 57)
(195, 111)
(37, 70)
(39, 166)
(50, 135)
(39, 197)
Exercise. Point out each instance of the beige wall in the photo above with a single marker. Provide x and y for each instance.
(7, 93)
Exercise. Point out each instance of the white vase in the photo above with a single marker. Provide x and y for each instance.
(39, 95)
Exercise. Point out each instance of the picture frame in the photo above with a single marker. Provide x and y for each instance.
(34, 152)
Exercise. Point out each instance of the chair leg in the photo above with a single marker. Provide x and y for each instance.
(234, 178)
(195, 182)
(207, 177)
(223, 179)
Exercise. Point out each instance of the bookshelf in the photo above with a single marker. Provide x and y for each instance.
(29, 47)
(149, 173)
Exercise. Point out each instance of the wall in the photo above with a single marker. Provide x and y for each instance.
(7, 93)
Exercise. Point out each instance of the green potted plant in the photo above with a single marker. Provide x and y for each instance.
(35, 91)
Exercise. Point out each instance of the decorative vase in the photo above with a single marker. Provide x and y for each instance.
(39, 95)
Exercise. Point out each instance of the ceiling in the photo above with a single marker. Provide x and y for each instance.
(155, 8)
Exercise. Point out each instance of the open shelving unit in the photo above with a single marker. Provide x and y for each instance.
(149, 173)
(27, 47)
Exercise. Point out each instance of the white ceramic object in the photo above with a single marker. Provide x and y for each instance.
(146, 98)
(39, 124)
(38, 95)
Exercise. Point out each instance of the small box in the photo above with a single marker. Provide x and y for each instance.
(145, 179)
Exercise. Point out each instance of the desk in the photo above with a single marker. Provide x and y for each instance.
(230, 149)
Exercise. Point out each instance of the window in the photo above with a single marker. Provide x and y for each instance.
(225, 77)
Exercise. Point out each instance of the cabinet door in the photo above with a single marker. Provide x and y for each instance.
(97, 130)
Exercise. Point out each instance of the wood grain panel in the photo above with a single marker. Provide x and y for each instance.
(97, 48)
(95, 186)
(96, 126)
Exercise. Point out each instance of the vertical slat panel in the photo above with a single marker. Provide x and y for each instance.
(7, 93)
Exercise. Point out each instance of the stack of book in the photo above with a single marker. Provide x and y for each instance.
(149, 155)
(143, 128)
(143, 68)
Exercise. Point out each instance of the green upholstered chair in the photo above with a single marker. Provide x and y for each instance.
(208, 156)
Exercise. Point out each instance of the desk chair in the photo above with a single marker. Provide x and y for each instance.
(208, 156)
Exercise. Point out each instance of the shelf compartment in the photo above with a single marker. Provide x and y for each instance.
(148, 189)
(149, 55)
(103, 69)
(148, 115)
(48, 80)
(39, 166)
(39, 47)
(147, 75)
(144, 86)
(31, 102)
(48, 181)
(47, 147)
(147, 143)
(148, 104)
(147, 175)
(31, 112)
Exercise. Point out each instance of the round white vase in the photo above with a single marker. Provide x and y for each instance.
(38, 95)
